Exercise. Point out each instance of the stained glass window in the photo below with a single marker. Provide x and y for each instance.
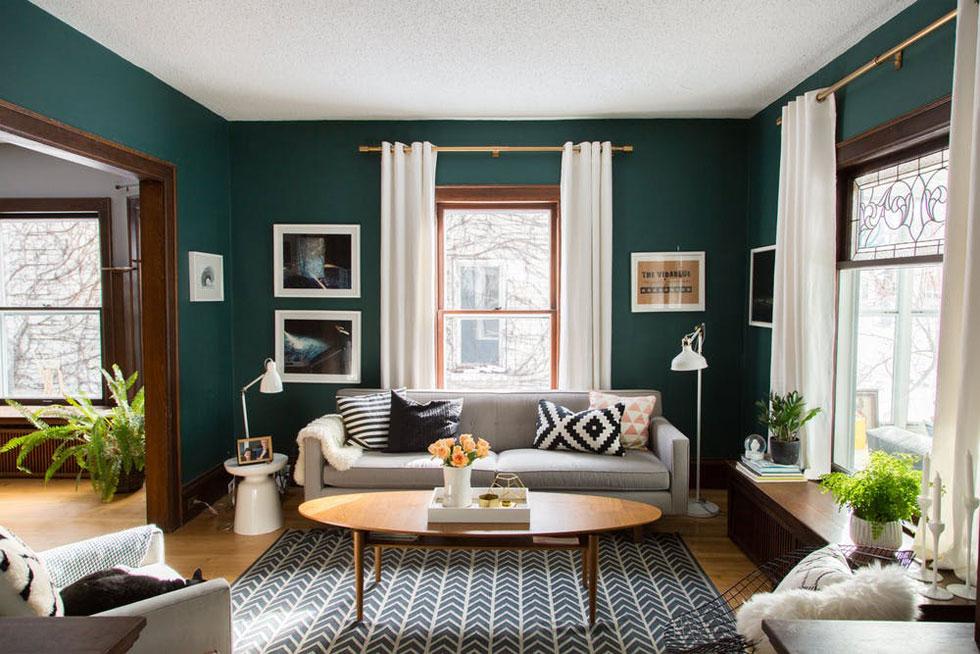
(900, 211)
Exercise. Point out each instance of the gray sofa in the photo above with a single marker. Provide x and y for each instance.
(507, 419)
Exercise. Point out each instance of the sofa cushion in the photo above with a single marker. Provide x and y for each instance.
(416, 425)
(634, 428)
(638, 470)
(595, 431)
(26, 589)
(505, 418)
(410, 470)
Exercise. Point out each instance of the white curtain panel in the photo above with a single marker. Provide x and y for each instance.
(803, 300)
(957, 427)
(585, 340)
(408, 265)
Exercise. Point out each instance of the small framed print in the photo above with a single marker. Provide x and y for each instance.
(316, 260)
(668, 281)
(320, 347)
(257, 449)
(762, 274)
(207, 277)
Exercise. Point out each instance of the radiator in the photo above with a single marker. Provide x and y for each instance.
(37, 461)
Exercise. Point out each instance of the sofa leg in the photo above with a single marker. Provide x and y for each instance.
(638, 534)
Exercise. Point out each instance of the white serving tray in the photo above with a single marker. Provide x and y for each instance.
(519, 513)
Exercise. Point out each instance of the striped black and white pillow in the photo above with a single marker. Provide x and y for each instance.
(366, 418)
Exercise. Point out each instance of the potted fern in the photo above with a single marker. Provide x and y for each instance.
(880, 497)
(784, 416)
(108, 443)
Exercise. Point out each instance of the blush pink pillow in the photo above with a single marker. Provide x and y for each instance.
(636, 418)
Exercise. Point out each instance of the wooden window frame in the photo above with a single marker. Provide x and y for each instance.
(908, 136)
(494, 197)
(43, 208)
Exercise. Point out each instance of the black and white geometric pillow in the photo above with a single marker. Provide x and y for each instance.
(593, 430)
(366, 418)
(26, 589)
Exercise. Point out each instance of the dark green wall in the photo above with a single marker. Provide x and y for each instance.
(683, 188)
(50, 68)
(871, 100)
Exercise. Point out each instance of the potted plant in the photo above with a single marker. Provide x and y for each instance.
(457, 457)
(108, 443)
(784, 416)
(880, 497)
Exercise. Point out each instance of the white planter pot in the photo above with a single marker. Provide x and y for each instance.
(890, 536)
(459, 492)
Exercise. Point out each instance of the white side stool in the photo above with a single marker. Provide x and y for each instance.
(257, 507)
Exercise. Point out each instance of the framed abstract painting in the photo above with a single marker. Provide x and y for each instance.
(320, 347)
(316, 260)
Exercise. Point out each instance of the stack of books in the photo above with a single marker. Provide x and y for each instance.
(764, 470)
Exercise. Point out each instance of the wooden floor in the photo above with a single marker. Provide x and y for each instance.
(52, 515)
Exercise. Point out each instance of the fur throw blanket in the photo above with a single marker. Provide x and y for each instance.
(871, 593)
(329, 431)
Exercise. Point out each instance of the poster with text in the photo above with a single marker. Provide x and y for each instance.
(668, 281)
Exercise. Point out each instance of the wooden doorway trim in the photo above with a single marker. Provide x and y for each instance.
(158, 227)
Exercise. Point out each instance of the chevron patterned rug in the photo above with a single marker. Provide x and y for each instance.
(299, 597)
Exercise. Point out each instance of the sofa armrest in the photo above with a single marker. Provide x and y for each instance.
(195, 620)
(673, 449)
(312, 463)
(132, 547)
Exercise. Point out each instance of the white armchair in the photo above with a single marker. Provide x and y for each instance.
(195, 619)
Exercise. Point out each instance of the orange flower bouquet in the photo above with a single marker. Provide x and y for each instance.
(461, 452)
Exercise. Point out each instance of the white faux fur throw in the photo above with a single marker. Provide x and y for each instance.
(872, 593)
(329, 430)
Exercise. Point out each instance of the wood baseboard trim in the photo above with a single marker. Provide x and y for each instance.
(210, 486)
(714, 473)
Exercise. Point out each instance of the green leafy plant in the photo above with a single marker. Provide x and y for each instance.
(885, 491)
(105, 442)
(785, 415)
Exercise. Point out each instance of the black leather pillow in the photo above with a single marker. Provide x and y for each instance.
(415, 426)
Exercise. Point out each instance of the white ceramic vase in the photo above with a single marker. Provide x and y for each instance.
(458, 491)
(890, 536)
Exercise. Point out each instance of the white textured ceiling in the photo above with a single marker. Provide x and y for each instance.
(316, 59)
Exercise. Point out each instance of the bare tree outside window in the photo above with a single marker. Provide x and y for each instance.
(50, 304)
(497, 297)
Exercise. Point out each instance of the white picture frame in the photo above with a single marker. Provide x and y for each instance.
(650, 270)
(346, 280)
(754, 312)
(307, 352)
(207, 277)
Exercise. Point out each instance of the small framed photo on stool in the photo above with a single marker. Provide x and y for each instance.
(257, 449)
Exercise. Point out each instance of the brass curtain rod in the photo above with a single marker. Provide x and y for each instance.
(494, 150)
(894, 53)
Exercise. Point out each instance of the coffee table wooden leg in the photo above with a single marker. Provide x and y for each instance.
(585, 566)
(359, 573)
(377, 564)
(593, 555)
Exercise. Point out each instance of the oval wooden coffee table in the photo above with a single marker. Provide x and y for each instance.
(558, 521)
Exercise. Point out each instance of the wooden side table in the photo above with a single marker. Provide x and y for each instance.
(257, 506)
(95, 635)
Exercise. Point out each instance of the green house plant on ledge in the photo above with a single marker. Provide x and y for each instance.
(784, 416)
(880, 497)
(109, 443)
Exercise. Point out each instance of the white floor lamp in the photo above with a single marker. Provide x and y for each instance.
(687, 361)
